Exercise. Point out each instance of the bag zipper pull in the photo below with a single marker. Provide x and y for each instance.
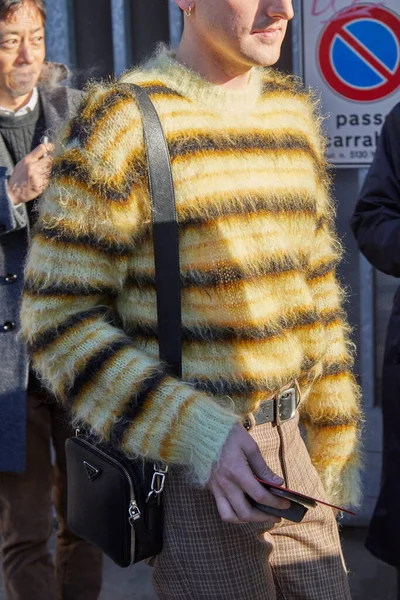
(134, 512)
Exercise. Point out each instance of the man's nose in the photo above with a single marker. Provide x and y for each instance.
(280, 9)
(25, 55)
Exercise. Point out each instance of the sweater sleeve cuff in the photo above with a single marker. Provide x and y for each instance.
(335, 453)
(343, 486)
(204, 433)
(187, 427)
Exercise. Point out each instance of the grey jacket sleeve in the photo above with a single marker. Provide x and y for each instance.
(11, 217)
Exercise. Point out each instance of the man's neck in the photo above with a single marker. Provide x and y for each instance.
(14, 104)
(212, 67)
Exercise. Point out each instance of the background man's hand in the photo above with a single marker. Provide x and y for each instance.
(31, 175)
(233, 477)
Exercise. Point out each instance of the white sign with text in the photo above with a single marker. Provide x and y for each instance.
(351, 57)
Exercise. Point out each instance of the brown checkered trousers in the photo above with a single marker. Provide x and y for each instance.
(206, 559)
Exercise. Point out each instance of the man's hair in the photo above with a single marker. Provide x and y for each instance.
(9, 7)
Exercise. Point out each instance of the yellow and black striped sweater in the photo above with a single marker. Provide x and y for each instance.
(260, 303)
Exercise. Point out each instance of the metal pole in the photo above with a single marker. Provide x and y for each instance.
(297, 57)
(175, 24)
(120, 18)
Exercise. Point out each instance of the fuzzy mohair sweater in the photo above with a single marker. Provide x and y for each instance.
(261, 306)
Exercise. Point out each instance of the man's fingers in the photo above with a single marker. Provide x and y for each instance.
(259, 466)
(243, 509)
(226, 511)
(246, 481)
(40, 170)
(46, 164)
(233, 479)
(39, 152)
(237, 510)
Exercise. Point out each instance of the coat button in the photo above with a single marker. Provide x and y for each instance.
(11, 278)
(9, 326)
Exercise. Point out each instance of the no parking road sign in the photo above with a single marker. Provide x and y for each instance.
(359, 53)
(351, 56)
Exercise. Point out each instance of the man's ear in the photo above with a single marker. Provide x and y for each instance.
(184, 4)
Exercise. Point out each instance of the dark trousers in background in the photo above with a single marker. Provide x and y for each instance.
(26, 519)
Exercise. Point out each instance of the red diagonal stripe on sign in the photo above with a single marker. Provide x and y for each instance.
(365, 54)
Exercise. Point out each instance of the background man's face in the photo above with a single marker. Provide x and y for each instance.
(22, 51)
(251, 32)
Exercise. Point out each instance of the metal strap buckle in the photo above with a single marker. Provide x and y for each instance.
(286, 406)
(157, 482)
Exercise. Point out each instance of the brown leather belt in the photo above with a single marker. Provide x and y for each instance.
(278, 410)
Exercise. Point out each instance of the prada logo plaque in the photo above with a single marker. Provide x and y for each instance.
(92, 472)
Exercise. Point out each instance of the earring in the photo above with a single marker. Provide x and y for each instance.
(188, 12)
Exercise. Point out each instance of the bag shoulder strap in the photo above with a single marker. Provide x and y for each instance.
(165, 234)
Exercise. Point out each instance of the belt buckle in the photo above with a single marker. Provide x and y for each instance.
(286, 406)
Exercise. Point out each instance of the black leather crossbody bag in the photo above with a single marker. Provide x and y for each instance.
(115, 502)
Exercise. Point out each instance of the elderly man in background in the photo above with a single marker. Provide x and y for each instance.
(33, 104)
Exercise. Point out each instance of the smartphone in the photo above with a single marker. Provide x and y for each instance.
(294, 513)
(299, 503)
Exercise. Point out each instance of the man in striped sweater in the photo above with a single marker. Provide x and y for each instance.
(263, 326)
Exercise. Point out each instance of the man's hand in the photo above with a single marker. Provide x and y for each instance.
(233, 477)
(31, 175)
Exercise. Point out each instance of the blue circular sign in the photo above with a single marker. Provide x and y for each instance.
(359, 53)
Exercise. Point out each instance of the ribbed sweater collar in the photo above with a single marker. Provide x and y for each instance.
(9, 121)
(191, 85)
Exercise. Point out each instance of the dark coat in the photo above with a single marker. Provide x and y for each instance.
(59, 104)
(376, 225)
